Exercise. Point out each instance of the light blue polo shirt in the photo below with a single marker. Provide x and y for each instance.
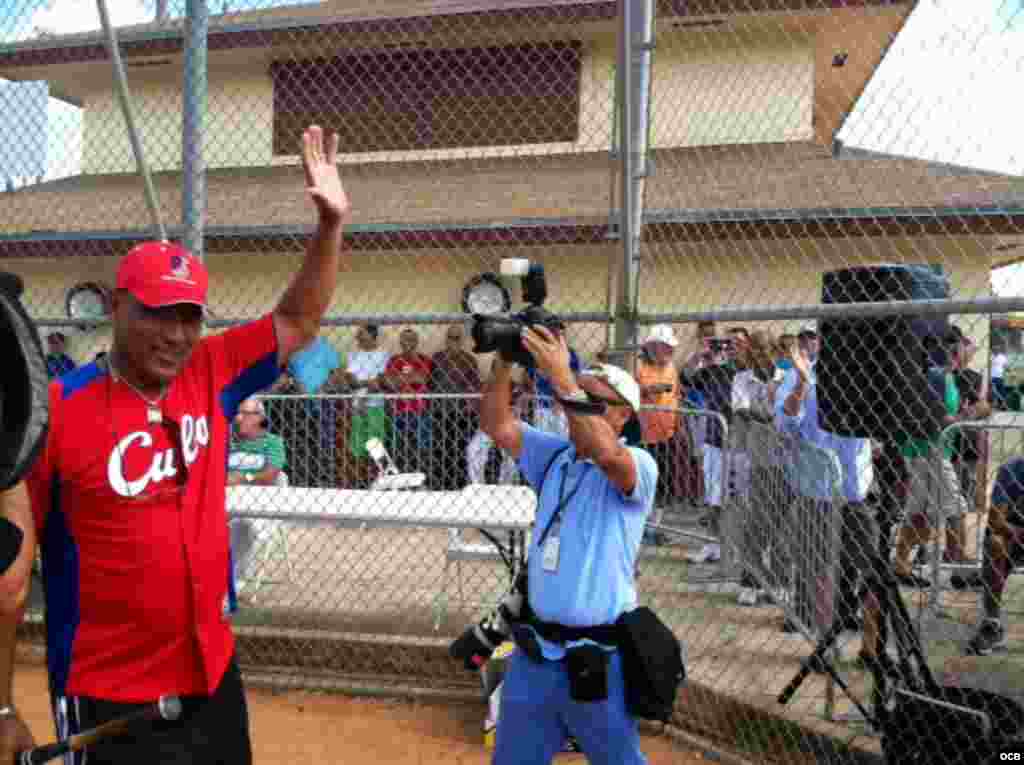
(815, 474)
(600, 534)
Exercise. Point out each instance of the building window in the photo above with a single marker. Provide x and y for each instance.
(402, 100)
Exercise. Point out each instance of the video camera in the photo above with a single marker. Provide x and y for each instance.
(503, 333)
(475, 646)
(24, 402)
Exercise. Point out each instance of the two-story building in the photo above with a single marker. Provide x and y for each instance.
(477, 129)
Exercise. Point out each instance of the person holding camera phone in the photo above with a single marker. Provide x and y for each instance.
(714, 384)
(594, 495)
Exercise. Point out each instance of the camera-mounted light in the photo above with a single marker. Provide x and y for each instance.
(88, 302)
(485, 295)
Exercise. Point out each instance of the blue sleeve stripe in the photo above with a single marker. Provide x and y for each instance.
(75, 381)
(257, 377)
(61, 586)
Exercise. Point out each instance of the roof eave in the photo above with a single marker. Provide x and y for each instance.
(667, 225)
(164, 38)
(841, 152)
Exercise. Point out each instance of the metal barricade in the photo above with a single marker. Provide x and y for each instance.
(994, 442)
(787, 524)
(693, 485)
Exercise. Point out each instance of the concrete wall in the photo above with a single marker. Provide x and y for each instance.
(731, 87)
(676, 278)
(240, 113)
(756, 274)
(708, 89)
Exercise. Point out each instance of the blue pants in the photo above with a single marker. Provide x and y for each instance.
(537, 715)
(411, 448)
(998, 393)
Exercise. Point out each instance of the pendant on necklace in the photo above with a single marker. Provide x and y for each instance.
(154, 416)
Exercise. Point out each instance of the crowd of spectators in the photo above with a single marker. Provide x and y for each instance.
(701, 396)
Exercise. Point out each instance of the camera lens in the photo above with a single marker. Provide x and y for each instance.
(491, 334)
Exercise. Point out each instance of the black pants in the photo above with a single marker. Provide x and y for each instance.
(212, 730)
(857, 546)
(453, 427)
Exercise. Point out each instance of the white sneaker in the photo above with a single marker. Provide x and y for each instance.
(747, 596)
(709, 553)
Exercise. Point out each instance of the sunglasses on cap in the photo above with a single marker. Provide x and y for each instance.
(594, 398)
(607, 401)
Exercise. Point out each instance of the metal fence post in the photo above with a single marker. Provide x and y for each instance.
(633, 83)
(193, 169)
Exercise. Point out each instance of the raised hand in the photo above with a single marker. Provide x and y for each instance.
(323, 182)
(801, 363)
(550, 354)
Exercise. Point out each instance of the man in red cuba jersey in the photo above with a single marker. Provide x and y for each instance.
(128, 500)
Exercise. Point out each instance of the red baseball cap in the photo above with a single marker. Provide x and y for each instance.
(159, 274)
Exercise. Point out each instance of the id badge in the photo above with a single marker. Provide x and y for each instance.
(550, 560)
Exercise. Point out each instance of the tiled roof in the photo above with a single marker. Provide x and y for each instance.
(775, 184)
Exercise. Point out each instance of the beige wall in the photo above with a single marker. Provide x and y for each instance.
(708, 89)
(756, 274)
(727, 87)
(240, 113)
(699, 277)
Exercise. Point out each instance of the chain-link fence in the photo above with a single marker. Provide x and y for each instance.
(823, 202)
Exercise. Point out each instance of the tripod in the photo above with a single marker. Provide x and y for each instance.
(909, 668)
(920, 721)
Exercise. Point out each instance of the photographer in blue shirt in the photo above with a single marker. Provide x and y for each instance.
(594, 494)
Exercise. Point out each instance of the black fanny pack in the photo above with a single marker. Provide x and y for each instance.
(653, 664)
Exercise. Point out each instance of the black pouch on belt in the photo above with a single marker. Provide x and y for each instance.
(527, 642)
(588, 673)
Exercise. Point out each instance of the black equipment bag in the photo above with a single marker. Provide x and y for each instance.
(24, 390)
(948, 728)
(652, 664)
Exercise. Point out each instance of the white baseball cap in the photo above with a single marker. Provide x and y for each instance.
(257, 405)
(619, 380)
(662, 333)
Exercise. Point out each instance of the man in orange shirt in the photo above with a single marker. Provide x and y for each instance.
(659, 387)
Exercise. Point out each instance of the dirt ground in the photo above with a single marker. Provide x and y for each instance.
(296, 726)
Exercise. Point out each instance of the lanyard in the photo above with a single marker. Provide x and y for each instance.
(563, 500)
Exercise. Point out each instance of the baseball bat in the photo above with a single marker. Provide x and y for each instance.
(167, 708)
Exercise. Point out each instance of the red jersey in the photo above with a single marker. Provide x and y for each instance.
(135, 544)
(417, 364)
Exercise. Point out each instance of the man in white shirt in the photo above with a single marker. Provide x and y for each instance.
(364, 369)
(999, 363)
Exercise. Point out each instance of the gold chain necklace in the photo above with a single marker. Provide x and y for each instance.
(154, 413)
